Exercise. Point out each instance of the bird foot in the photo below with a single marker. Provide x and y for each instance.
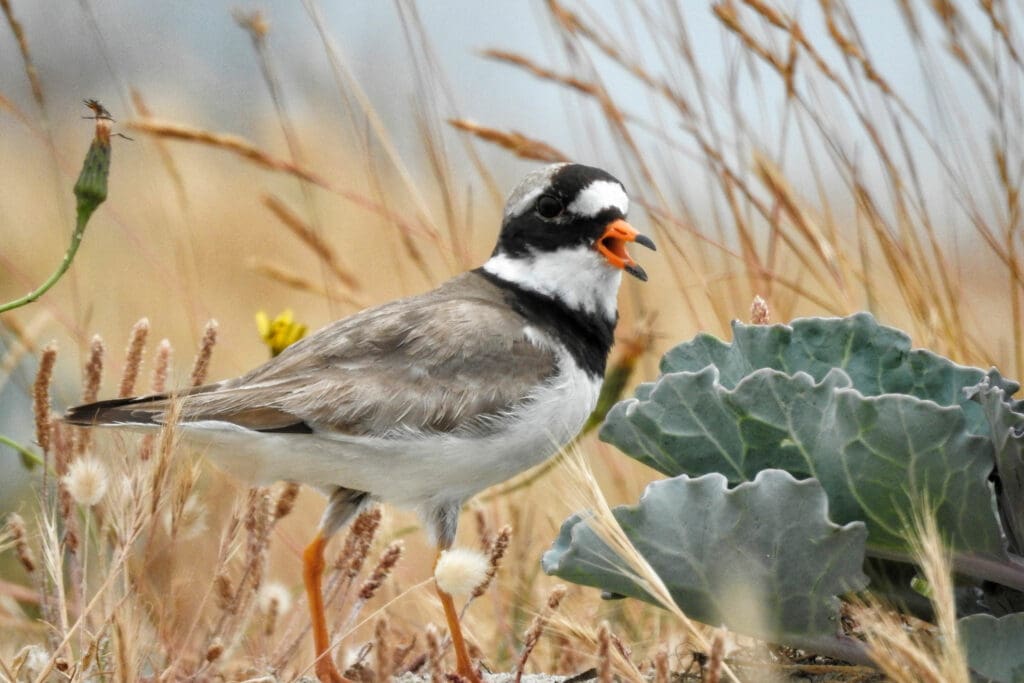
(328, 673)
(469, 674)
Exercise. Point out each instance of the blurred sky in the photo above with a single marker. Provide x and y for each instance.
(192, 62)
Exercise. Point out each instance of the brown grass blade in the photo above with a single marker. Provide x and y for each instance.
(522, 146)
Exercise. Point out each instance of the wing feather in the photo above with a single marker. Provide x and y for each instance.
(452, 359)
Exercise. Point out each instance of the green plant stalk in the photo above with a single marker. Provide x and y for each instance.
(28, 457)
(611, 392)
(90, 192)
(1008, 572)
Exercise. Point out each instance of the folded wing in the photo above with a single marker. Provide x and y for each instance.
(449, 360)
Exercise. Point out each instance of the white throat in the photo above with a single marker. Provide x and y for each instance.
(579, 277)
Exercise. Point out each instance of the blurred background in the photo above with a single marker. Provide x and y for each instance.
(830, 157)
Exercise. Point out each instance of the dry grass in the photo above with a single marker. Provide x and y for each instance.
(910, 652)
(847, 194)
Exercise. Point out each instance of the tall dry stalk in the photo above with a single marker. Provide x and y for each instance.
(919, 653)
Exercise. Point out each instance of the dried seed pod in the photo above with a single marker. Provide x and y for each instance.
(202, 363)
(214, 650)
(604, 653)
(759, 312)
(286, 500)
(434, 654)
(387, 562)
(661, 666)
(536, 629)
(383, 662)
(133, 357)
(16, 527)
(498, 549)
(41, 395)
(358, 541)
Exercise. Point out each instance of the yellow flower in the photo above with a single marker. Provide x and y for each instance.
(281, 332)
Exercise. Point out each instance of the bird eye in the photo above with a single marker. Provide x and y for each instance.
(548, 206)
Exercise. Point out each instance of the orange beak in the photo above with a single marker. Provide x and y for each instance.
(612, 245)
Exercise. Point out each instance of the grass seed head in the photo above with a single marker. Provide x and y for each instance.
(286, 500)
(383, 662)
(497, 552)
(434, 653)
(161, 366)
(41, 395)
(214, 650)
(358, 541)
(225, 593)
(536, 629)
(661, 672)
(19, 537)
(191, 520)
(202, 362)
(133, 357)
(388, 560)
(604, 656)
(92, 374)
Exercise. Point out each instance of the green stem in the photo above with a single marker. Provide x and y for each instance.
(76, 239)
(26, 455)
(90, 191)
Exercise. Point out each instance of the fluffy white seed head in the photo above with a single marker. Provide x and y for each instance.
(32, 660)
(87, 481)
(274, 597)
(460, 570)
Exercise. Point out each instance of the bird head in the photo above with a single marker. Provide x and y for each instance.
(564, 234)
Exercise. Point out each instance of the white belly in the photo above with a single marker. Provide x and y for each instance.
(416, 471)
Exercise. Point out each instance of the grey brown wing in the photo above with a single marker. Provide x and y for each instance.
(426, 364)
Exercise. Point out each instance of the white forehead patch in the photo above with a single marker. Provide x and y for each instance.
(598, 196)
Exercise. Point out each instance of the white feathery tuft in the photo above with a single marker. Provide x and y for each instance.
(35, 660)
(460, 570)
(274, 597)
(86, 481)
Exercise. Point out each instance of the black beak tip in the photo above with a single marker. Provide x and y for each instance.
(636, 271)
(646, 241)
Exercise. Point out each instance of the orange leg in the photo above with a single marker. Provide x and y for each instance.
(465, 666)
(312, 573)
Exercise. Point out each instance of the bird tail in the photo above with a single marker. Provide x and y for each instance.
(138, 410)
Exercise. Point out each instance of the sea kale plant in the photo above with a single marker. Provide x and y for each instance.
(798, 457)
